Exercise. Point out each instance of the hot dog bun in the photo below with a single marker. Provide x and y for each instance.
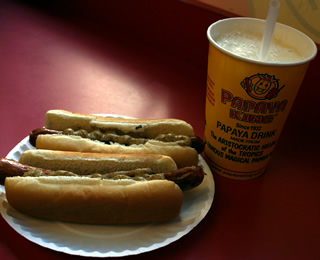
(183, 156)
(141, 128)
(150, 128)
(89, 163)
(94, 201)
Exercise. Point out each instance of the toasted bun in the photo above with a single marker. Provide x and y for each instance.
(149, 128)
(182, 155)
(89, 163)
(94, 201)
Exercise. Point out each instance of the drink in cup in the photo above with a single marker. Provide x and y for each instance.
(248, 99)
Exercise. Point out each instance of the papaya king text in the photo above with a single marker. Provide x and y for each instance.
(251, 111)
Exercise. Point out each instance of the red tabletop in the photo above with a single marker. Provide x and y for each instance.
(147, 59)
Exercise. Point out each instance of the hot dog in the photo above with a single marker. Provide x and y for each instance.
(128, 197)
(69, 131)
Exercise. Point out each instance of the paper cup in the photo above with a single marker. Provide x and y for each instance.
(248, 100)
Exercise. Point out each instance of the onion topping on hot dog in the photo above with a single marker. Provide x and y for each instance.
(113, 137)
(186, 178)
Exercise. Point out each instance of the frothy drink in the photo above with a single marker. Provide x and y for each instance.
(249, 45)
(248, 100)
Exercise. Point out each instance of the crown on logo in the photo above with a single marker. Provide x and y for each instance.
(267, 77)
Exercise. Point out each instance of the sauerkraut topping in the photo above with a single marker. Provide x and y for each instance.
(141, 174)
(114, 136)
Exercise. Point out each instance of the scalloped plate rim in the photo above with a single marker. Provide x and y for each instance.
(20, 225)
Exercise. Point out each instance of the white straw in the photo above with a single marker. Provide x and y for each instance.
(269, 28)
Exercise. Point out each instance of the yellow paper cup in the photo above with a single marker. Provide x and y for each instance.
(248, 100)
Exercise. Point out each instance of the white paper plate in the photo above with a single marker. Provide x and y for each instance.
(109, 240)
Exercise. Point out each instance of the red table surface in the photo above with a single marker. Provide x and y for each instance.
(147, 59)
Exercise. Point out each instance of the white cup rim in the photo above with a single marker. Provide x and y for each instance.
(239, 19)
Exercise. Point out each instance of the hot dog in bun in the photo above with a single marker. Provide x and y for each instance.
(97, 188)
(69, 131)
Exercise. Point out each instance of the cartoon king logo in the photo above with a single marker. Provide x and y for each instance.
(261, 86)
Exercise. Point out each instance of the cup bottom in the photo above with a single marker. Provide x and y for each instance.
(233, 174)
